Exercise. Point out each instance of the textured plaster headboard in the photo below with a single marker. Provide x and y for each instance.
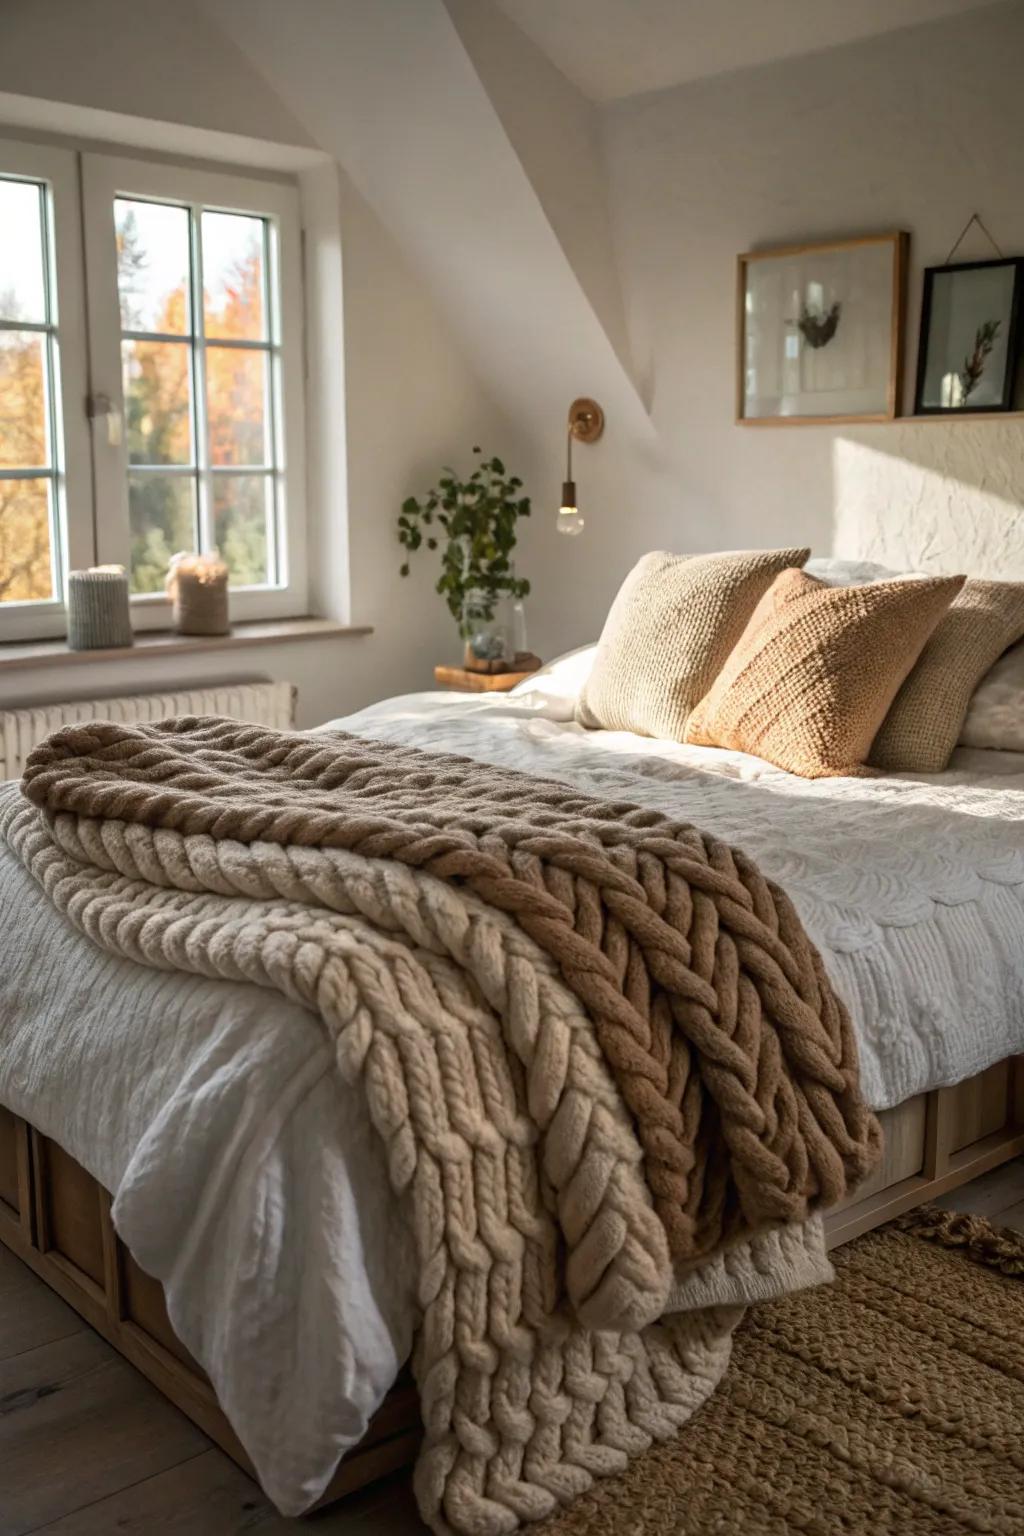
(940, 496)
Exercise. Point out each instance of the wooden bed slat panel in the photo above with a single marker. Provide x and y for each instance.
(69, 1210)
(903, 1130)
(142, 1302)
(980, 1105)
(952, 1153)
(9, 1161)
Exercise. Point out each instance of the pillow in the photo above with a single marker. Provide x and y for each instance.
(816, 669)
(552, 692)
(835, 572)
(920, 730)
(995, 717)
(668, 633)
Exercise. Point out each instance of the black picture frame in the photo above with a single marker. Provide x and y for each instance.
(1005, 401)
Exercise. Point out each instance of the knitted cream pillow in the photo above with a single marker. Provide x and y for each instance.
(995, 719)
(921, 729)
(668, 633)
(816, 669)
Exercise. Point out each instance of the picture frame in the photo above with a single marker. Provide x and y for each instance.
(820, 331)
(970, 341)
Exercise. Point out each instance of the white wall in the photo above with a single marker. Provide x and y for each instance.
(411, 401)
(915, 131)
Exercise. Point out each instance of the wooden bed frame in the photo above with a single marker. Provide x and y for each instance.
(56, 1217)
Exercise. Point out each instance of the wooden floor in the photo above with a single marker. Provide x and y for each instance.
(88, 1448)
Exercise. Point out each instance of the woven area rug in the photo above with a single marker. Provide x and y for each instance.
(891, 1401)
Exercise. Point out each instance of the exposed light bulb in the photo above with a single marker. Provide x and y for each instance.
(569, 521)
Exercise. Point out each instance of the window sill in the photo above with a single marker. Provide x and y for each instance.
(55, 653)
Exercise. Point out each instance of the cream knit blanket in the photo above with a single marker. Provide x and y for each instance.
(544, 1265)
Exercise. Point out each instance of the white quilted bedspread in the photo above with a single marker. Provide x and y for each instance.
(912, 887)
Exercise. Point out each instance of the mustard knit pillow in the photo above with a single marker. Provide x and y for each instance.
(668, 632)
(921, 729)
(817, 667)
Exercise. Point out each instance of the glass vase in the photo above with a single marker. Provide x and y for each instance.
(488, 632)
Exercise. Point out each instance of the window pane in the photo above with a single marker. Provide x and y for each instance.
(241, 507)
(233, 276)
(26, 569)
(22, 289)
(235, 396)
(23, 401)
(162, 509)
(152, 266)
(157, 401)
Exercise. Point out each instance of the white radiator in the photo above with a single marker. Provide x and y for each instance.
(271, 704)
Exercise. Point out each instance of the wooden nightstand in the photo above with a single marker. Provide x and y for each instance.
(464, 681)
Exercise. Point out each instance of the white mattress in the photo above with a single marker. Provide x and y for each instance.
(211, 1109)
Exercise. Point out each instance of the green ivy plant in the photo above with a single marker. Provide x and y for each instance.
(477, 518)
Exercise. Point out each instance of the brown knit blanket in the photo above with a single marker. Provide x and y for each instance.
(710, 1004)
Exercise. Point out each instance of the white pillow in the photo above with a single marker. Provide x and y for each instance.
(553, 691)
(851, 573)
(995, 716)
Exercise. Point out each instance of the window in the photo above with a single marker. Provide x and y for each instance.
(29, 550)
(40, 319)
(192, 374)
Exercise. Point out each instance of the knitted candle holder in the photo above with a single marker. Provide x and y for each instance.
(198, 587)
(99, 617)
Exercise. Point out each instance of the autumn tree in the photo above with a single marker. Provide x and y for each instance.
(159, 416)
(25, 572)
(159, 428)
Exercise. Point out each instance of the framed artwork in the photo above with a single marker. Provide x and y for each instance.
(820, 331)
(970, 337)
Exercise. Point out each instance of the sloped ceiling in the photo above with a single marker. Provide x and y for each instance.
(615, 48)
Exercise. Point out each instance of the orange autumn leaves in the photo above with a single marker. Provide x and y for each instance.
(160, 420)
(24, 504)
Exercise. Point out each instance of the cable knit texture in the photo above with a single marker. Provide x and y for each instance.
(667, 635)
(394, 894)
(810, 681)
(711, 1006)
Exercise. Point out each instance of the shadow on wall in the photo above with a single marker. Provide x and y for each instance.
(933, 497)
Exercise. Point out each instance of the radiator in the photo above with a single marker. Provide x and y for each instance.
(271, 704)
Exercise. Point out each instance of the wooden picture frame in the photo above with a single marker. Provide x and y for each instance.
(870, 356)
(955, 347)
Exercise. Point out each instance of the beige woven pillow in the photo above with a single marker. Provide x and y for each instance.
(816, 669)
(668, 632)
(921, 729)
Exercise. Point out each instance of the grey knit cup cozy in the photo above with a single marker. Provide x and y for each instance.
(99, 617)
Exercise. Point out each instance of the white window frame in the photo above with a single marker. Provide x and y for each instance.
(57, 169)
(104, 178)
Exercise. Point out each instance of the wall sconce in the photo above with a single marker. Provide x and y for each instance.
(586, 423)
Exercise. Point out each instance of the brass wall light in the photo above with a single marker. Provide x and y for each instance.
(586, 423)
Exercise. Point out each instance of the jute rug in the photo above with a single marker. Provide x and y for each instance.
(891, 1401)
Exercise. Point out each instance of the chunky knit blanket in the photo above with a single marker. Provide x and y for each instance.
(610, 1073)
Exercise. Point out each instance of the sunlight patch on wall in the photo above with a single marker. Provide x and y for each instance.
(936, 496)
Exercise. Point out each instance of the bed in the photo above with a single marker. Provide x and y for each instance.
(133, 1160)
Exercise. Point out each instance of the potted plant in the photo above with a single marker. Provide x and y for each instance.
(476, 521)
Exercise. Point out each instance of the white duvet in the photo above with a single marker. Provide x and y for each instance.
(211, 1111)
